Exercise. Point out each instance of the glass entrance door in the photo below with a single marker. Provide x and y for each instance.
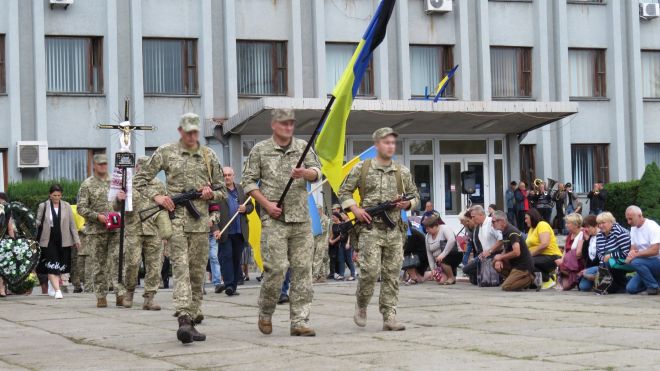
(422, 174)
(453, 198)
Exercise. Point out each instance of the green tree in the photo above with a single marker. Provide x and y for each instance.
(619, 196)
(32, 192)
(648, 197)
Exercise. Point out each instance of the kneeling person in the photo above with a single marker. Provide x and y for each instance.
(380, 248)
(515, 263)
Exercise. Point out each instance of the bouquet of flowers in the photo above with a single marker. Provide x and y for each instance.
(24, 287)
(18, 258)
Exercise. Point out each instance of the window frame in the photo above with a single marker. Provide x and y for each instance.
(447, 51)
(95, 53)
(645, 98)
(601, 156)
(3, 64)
(275, 65)
(599, 78)
(185, 67)
(369, 71)
(524, 72)
(587, 2)
(528, 155)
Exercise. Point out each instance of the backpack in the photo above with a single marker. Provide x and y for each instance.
(603, 280)
(487, 276)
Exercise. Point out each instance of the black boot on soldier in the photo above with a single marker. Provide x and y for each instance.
(186, 331)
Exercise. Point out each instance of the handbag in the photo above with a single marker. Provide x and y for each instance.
(112, 221)
(487, 276)
(410, 261)
(438, 274)
(603, 280)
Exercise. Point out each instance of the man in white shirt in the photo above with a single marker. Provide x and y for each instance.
(644, 256)
(486, 239)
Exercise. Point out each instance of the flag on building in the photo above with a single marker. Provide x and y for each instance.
(331, 140)
(442, 86)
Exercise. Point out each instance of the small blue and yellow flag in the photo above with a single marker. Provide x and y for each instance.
(331, 140)
(442, 86)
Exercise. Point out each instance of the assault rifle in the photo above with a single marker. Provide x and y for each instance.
(378, 211)
(184, 199)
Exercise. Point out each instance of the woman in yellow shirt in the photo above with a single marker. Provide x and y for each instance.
(542, 244)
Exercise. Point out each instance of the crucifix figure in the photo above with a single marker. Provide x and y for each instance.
(124, 162)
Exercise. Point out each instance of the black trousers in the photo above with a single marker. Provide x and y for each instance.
(230, 253)
(545, 264)
(165, 273)
(471, 270)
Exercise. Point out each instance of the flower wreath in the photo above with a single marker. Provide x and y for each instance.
(19, 256)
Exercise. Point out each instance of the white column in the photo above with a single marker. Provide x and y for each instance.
(111, 78)
(318, 15)
(206, 63)
(39, 42)
(382, 74)
(562, 90)
(541, 78)
(13, 74)
(295, 43)
(137, 89)
(462, 51)
(230, 72)
(403, 44)
(483, 50)
(615, 91)
(635, 91)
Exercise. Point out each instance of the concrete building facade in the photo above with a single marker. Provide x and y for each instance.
(568, 90)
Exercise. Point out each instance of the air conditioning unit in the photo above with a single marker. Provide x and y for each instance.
(438, 6)
(32, 154)
(649, 10)
(62, 3)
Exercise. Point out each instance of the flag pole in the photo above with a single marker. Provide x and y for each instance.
(309, 145)
(234, 217)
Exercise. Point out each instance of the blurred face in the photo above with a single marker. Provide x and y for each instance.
(429, 206)
(335, 219)
(229, 176)
(433, 229)
(55, 197)
(592, 231)
(522, 186)
(634, 219)
(513, 186)
(528, 221)
(605, 227)
(189, 139)
(499, 224)
(569, 189)
(283, 129)
(478, 219)
(490, 210)
(101, 169)
(572, 228)
(386, 146)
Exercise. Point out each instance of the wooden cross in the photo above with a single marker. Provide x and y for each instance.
(124, 159)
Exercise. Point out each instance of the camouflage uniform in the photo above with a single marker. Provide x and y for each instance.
(189, 246)
(143, 238)
(92, 201)
(84, 263)
(380, 249)
(288, 238)
(321, 257)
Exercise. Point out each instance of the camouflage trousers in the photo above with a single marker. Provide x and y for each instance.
(82, 270)
(380, 252)
(105, 262)
(152, 248)
(189, 252)
(320, 267)
(281, 243)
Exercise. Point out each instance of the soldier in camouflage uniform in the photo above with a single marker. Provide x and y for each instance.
(380, 249)
(188, 165)
(321, 257)
(143, 238)
(92, 205)
(286, 234)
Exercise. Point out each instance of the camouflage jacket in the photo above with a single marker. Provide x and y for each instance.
(185, 170)
(380, 186)
(140, 202)
(92, 201)
(271, 165)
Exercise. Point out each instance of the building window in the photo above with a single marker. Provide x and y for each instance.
(586, 1)
(652, 153)
(651, 73)
(511, 72)
(590, 163)
(262, 67)
(3, 78)
(528, 164)
(170, 66)
(337, 56)
(71, 163)
(463, 147)
(428, 65)
(74, 65)
(587, 73)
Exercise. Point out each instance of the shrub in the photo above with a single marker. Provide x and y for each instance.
(619, 197)
(33, 192)
(648, 197)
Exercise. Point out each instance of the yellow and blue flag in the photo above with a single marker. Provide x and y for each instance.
(442, 86)
(314, 215)
(331, 140)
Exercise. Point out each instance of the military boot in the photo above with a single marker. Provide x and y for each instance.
(101, 303)
(128, 299)
(303, 331)
(265, 325)
(120, 301)
(185, 332)
(360, 316)
(149, 302)
(196, 335)
(198, 319)
(390, 324)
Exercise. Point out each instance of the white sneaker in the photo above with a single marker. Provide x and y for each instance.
(51, 290)
(58, 294)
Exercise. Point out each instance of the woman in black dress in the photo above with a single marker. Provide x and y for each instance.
(58, 234)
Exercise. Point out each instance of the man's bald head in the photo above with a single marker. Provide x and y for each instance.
(229, 177)
(634, 216)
